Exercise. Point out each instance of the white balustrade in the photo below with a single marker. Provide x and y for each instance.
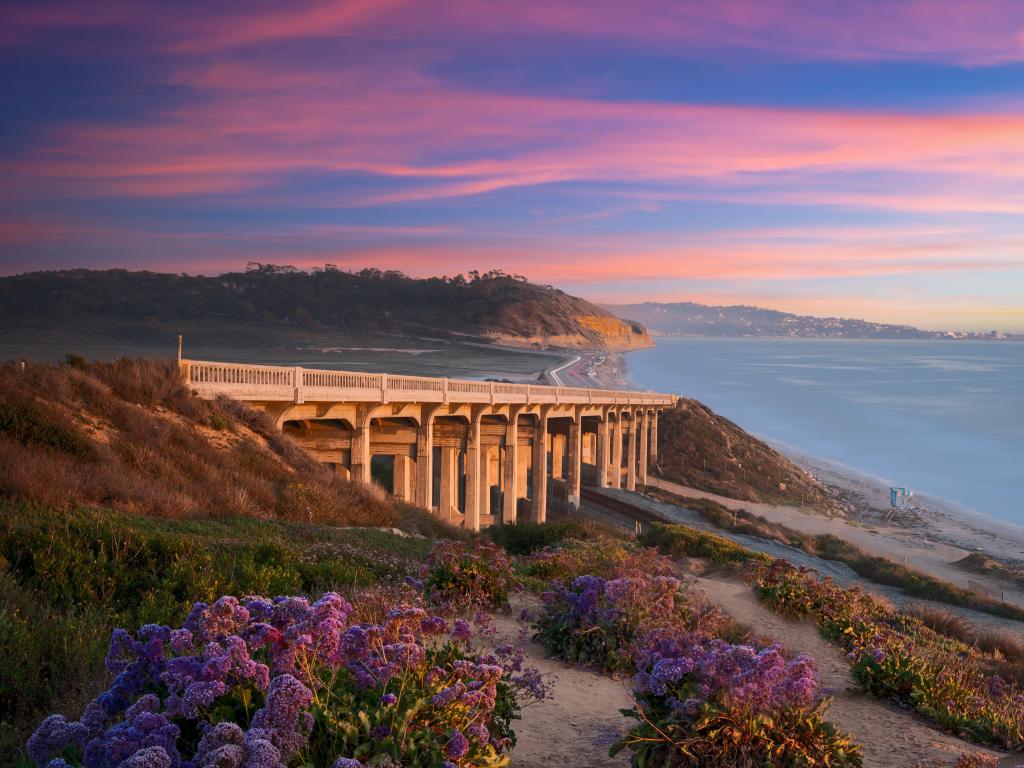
(268, 383)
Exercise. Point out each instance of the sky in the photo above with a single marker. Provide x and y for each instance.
(862, 158)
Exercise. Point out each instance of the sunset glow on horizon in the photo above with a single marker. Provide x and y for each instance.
(862, 158)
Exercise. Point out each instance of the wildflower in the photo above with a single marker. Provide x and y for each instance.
(457, 746)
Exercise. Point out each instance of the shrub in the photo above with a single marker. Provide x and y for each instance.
(460, 576)
(704, 703)
(895, 655)
(597, 622)
(286, 682)
(599, 558)
(67, 578)
(25, 425)
(522, 538)
(683, 541)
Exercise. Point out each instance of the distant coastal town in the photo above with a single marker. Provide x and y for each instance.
(690, 319)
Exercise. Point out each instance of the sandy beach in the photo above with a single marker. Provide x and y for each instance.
(932, 542)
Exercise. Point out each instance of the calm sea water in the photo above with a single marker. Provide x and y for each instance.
(945, 417)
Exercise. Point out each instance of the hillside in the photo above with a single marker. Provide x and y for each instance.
(123, 499)
(700, 449)
(492, 307)
(689, 319)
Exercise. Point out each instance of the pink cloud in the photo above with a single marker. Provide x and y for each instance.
(973, 33)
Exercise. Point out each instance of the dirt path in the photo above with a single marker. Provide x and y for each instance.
(566, 730)
(891, 737)
(917, 547)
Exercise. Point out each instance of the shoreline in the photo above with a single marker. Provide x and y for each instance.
(944, 532)
(940, 519)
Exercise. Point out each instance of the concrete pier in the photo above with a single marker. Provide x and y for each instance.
(456, 447)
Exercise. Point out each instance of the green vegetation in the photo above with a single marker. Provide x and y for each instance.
(682, 541)
(895, 655)
(69, 576)
(524, 538)
(829, 547)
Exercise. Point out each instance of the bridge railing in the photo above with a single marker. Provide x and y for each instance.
(269, 383)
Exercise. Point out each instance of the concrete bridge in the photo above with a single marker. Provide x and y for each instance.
(476, 453)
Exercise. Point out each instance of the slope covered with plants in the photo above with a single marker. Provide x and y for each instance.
(493, 306)
(700, 449)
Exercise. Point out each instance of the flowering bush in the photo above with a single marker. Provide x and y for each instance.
(894, 655)
(460, 576)
(262, 684)
(598, 558)
(704, 702)
(595, 621)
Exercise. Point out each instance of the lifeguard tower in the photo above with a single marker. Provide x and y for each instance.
(901, 503)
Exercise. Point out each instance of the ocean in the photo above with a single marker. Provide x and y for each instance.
(944, 417)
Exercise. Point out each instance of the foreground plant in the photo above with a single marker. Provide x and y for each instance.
(596, 621)
(894, 655)
(702, 702)
(463, 576)
(263, 684)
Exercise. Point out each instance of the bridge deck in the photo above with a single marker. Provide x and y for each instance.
(269, 383)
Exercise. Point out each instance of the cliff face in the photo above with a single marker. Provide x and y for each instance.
(492, 306)
(617, 334)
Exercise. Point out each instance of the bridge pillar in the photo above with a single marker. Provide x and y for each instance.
(540, 467)
(618, 435)
(654, 438)
(604, 444)
(644, 437)
(361, 446)
(631, 454)
(485, 479)
(474, 484)
(402, 483)
(510, 485)
(425, 459)
(557, 456)
(575, 459)
(448, 506)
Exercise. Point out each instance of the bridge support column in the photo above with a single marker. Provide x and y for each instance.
(484, 504)
(448, 506)
(474, 468)
(604, 444)
(631, 453)
(644, 437)
(575, 459)
(402, 481)
(618, 435)
(510, 485)
(557, 456)
(361, 447)
(654, 438)
(540, 467)
(425, 459)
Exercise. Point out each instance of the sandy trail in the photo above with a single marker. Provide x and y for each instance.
(566, 729)
(914, 547)
(891, 737)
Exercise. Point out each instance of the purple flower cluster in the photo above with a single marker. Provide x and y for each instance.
(278, 657)
(692, 668)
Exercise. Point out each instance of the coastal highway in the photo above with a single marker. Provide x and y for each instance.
(553, 374)
(579, 371)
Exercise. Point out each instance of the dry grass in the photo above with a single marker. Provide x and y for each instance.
(151, 447)
(1005, 647)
